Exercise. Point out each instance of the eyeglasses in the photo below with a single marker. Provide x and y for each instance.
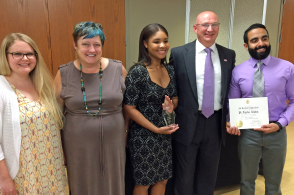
(213, 25)
(19, 56)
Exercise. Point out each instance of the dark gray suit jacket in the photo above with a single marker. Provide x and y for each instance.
(183, 60)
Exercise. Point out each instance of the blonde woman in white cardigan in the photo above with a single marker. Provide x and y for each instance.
(31, 158)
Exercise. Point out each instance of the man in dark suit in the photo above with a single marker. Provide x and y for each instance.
(203, 73)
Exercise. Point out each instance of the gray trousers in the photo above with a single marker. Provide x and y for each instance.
(271, 148)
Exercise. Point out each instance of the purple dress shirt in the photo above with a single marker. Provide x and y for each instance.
(278, 86)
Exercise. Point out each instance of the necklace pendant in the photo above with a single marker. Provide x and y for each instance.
(84, 94)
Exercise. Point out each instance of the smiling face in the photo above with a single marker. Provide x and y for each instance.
(89, 50)
(157, 46)
(24, 66)
(206, 36)
(258, 43)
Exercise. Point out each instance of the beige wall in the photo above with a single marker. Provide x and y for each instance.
(246, 13)
(273, 23)
(139, 13)
(221, 8)
(169, 13)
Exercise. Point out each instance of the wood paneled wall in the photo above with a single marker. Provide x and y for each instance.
(50, 24)
(286, 49)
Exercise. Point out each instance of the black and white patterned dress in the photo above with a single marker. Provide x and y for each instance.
(151, 153)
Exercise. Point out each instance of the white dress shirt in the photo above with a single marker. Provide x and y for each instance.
(200, 67)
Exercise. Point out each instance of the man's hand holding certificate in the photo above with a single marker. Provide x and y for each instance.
(249, 113)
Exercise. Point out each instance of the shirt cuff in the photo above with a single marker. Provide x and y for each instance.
(283, 122)
(228, 118)
(1, 154)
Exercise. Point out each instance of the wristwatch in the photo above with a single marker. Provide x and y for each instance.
(280, 126)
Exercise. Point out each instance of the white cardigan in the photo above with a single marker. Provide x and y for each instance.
(10, 131)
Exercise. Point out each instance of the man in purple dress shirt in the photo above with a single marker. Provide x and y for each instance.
(269, 142)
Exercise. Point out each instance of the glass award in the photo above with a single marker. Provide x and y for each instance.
(169, 117)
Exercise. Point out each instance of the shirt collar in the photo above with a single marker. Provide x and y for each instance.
(199, 47)
(265, 61)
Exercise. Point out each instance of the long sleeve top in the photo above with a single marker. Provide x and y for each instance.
(10, 131)
(278, 86)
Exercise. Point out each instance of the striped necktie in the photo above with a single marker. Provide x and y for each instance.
(258, 81)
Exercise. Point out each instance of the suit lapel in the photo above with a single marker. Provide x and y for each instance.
(190, 66)
(191, 71)
(224, 70)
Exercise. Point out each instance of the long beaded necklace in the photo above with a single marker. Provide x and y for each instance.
(100, 91)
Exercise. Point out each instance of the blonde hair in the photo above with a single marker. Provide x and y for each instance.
(40, 75)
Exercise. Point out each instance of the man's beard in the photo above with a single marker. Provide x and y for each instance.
(259, 55)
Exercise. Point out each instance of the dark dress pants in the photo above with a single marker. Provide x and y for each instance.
(197, 163)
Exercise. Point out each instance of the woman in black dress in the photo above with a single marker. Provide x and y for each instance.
(150, 86)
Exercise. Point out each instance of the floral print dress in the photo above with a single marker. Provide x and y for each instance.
(41, 168)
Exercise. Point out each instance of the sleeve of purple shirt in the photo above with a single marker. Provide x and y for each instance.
(288, 115)
(234, 91)
(279, 86)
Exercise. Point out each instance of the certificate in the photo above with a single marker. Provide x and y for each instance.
(249, 113)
